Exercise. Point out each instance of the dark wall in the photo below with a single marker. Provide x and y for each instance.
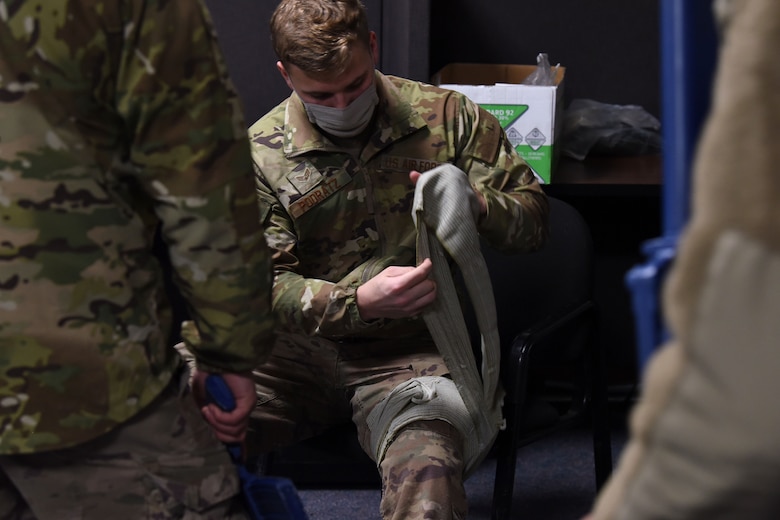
(610, 48)
(242, 28)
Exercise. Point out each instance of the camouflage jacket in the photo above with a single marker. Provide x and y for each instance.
(117, 118)
(337, 218)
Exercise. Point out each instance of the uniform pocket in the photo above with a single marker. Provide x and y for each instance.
(195, 476)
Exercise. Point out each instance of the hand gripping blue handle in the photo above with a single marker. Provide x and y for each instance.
(219, 393)
(266, 498)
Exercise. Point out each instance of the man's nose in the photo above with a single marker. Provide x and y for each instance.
(342, 99)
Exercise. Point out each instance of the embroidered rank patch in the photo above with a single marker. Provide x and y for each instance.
(304, 177)
(325, 189)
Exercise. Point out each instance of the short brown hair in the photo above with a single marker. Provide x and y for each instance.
(317, 36)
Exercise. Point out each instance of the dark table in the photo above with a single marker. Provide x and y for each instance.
(610, 176)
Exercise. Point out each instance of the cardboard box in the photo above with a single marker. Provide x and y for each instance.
(530, 115)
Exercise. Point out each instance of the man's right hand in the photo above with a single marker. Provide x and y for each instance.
(397, 292)
(230, 427)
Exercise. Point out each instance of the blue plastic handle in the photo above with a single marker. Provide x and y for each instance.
(219, 393)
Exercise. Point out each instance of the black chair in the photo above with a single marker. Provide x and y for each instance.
(552, 366)
(552, 362)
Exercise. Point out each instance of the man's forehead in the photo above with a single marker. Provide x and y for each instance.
(356, 72)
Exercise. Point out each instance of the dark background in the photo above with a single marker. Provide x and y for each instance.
(610, 48)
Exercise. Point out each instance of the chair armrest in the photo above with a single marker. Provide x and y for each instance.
(523, 343)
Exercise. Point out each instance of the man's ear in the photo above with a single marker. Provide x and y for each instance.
(285, 76)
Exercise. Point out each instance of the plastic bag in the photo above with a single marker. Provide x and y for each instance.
(543, 74)
(594, 128)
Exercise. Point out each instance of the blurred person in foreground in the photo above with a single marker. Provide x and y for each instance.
(337, 163)
(705, 436)
(117, 119)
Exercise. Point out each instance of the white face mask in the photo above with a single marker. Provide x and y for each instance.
(348, 121)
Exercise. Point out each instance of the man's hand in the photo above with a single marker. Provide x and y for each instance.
(230, 427)
(415, 175)
(397, 292)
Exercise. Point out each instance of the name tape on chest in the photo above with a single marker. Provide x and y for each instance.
(326, 188)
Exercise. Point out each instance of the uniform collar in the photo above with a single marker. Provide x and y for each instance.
(395, 118)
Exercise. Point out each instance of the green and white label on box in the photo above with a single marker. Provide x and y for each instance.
(506, 114)
(528, 114)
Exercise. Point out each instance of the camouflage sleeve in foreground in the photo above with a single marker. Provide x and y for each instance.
(117, 118)
(201, 180)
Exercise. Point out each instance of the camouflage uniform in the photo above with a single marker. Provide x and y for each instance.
(336, 218)
(117, 118)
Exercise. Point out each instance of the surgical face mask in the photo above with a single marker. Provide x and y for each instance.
(348, 121)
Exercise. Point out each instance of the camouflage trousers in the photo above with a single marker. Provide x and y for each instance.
(311, 384)
(163, 464)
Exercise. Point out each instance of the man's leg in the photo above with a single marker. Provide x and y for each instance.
(297, 397)
(164, 464)
(422, 474)
(422, 471)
